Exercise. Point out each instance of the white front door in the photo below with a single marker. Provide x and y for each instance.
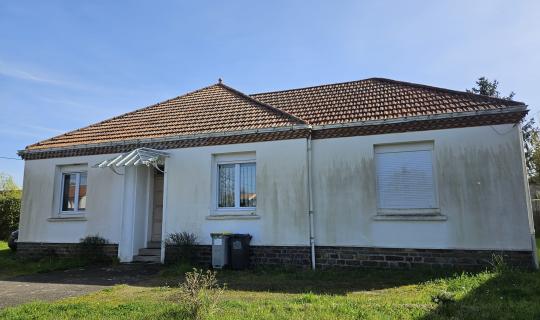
(157, 210)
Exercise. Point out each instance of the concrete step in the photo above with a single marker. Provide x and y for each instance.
(149, 252)
(148, 259)
(153, 245)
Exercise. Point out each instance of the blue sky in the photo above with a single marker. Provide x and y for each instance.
(67, 64)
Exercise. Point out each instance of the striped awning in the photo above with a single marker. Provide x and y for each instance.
(141, 156)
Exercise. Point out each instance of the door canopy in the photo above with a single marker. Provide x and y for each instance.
(141, 156)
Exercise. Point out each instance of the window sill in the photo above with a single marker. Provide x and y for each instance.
(233, 217)
(409, 217)
(64, 218)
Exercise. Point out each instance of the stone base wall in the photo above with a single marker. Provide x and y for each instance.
(411, 258)
(364, 257)
(38, 250)
(202, 255)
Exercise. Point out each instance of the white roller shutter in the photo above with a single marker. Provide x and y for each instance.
(405, 177)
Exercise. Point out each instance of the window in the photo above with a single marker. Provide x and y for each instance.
(73, 192)
(405, 178)
(236, 185)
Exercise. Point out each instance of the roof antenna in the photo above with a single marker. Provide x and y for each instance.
(220, 80)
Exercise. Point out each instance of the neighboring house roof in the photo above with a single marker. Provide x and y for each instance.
(219, 114)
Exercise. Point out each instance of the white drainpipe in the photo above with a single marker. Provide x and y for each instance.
(310, 200)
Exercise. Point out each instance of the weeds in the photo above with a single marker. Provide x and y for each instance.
(443, 297)
(200, 293)
(498, 265)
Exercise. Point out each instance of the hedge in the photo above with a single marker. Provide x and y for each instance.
(10, 208)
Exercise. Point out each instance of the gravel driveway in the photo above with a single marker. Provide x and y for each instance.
(75, 282)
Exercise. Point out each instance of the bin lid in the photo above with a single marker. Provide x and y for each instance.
(220, 234)
(241, 235)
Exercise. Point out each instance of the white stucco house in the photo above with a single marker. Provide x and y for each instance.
(376, 172)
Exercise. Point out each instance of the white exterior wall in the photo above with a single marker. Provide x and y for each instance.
(481, 191)
(281, 193)
(103, 208)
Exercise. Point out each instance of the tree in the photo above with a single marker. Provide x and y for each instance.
(489, 88)
(10, 205)
(7, 183)
(530, 132)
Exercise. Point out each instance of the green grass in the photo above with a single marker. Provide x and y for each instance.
(538, 245)
(286, 294)
(11, 266)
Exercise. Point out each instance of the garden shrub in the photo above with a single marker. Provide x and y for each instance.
(10, 208)
(185, 244)
(92, 248)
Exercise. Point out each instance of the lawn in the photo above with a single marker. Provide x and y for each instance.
(11, 266)
(284, 294)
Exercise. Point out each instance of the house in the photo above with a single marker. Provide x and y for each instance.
(375, 172)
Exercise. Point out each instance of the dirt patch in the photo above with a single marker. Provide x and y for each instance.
(74, 282)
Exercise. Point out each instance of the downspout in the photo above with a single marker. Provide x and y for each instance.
(165, 211)
(310, 201)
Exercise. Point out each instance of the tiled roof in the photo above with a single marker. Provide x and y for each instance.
(217, 108)
(221, 109)
(375, 99)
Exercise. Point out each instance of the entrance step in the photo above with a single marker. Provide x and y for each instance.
(150, 252)
(147, 259)
(153, 245)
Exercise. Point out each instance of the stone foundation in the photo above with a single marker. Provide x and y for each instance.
(38, 250)
(326, 257)
(411, 258)
(364, 257)
(202, 255)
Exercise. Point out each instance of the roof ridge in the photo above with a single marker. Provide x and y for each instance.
(311, 87)
(266, 105)
(451, 91)
(404, 83)
(119, 116)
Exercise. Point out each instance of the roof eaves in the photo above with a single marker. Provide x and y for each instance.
(516, 109)
(167, 139)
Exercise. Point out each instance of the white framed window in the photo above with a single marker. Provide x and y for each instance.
(235, 183)
(406, 179)
(73, 194)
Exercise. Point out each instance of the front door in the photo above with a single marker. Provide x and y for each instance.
(157, 210)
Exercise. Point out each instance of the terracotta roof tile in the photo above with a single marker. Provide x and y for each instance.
(219, 108)
(375, 99)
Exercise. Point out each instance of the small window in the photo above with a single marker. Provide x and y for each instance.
(236, 185)
(73, 192)
(405, 178)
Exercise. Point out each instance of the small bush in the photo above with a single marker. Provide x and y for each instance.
(200, 293)
(181, 239)
(185, 243)
(92, 248)
(498, 265)
(443, 297)
(10, 207)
